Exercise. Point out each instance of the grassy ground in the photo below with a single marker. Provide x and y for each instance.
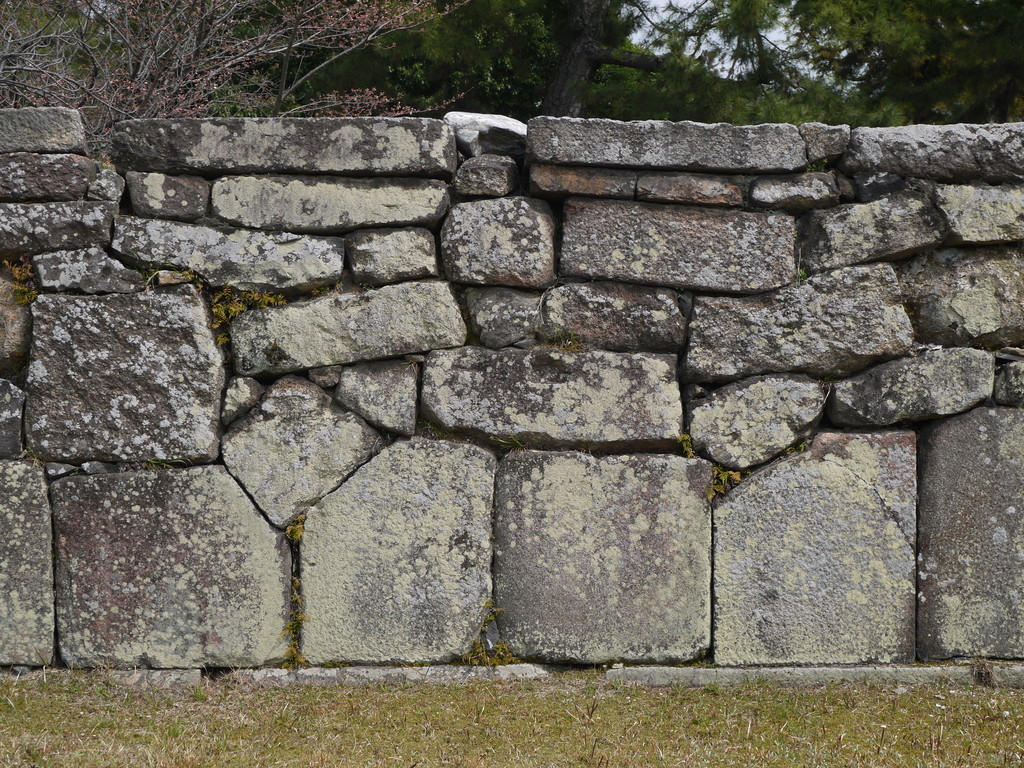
(80, 720)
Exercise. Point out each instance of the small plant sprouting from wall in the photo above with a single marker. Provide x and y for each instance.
(226, 304)
(499, 655)
(293, 658)
(722, 481)
(20, 270)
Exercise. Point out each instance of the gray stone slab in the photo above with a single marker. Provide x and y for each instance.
(12, 401)
(42, 129)
(824, 142)
(438, 674)
(978, 214)
(168, 197)
(156, 679)
(27, 176)
(700, 677)
(564, 180)
(479, 134)
(384, 392)
(1008, 675)
(27, 228)
(795, 194)
(108, 185)
(382, 256)
(487, 176)
(689, 189)
(88, 270)
(1009, 385)
(15, 325)
(502, 316)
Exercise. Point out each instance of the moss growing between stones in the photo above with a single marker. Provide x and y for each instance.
(293, 658)
(25, 286)
(479, 655)
(227, 304)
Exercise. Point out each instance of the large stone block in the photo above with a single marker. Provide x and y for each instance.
(603, 558)
(129, 377)
(382, 256)
(689, 189)
(684, 146)
(978, 214)
(15, 326)
(346, 328)
(564, 180)
(26, 176)
(26, 566)
(971, 536)
(12, 402)
(396, 564)
(172, 569)
(834, 323)
(795, 194)
(814, 556)
(27, 228)
(356, 146)
(383, 392)
(42, 129)
(552, 398)
(327, 204)
(700, 248)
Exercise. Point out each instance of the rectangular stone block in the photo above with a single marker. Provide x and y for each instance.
(562, 181)
(27, 176)
(28, 228)
(42, 129)
(689, 189)
(978, 214)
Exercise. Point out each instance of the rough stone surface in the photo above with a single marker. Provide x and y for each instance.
(561, 180)
(603, 558)
(169, 197)
(501, 317)
(982, 214)
(295, 448)
(482, 134)
(747, 423)
(795, 194)
(26, 176)
(888, 228)
(441, 674)
(27, 228)
(396, 563)
(939, 382)
(729, 251)
(1008, 675)
(108, 185)
(614, 316)
(241, 394)
(814, 556)
(249, 261)
(993, 153)
(382, 392)
(15, 326)
(98, 467)
(26, 565)
(130, 377)
(824, 142)
(387, 146)
(552, 398)
(12, 401)
(327, 204)
(382, 256)
(1009, 385)
(326, 377)
(55, 470)
(966, 297)
(872, 186)
(89, 270)
(831, 324)
(42, 129)
(503, 241)
(684, 146)
(702, 677)
(689, 189)
(347, 328)
(156, 679)
(167, 569)
(487, 176)
(972, 538)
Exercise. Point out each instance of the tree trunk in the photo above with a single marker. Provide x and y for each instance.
(578, 59)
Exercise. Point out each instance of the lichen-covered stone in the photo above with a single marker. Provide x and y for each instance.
(553, 398)
(831, 324)
(167, 569)
(89, 270)
(614, 316)
(26, 565)
(1009, 385)
(249, 261)
(386, 146)
(888, 228)
(480, 134)
(15, 326)
(12, 401)
(382, 256)
(502, 241)
(603, 558)
(814, 556)
(966, 297)
(700, 248)
(747, 423)
(327, 204)
(27, 228)
(824, 142)
(564, 180)
(939, 382)
(383, 392)
(684, 146)
(971, 536)
(501, 317)
(396, 564)
(27, 176)
(42, 129)
(346, 328)
(487, 176)
(125, 377)
(241, 394)
(978, 214)
(295, 448)
(168, 197)
(795, 194)
(689, 189)
(108, 185)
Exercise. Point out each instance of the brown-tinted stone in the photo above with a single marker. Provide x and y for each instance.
(25, 176)
(561, 181)
(168, 197)
(689, 189)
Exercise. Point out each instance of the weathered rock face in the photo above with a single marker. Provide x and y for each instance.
(346, 328)
(824, 142)
(940, 382)
(504, 241)
(890, 227)
(552, 398)
(502, 316)
(614, 316)
(962, 297)
(26, 564)
(872, 186)
(33, 228)
(249, 261)
(41, 129)
(681, 146)
(240, 395)
(294, 449)
(382, 256)
(603, 558)
(15, 326)
(26, 176)
(835, 323)
(87, 271)
(972, 539)
(12, 401)
(383, 392)
(481, 134)
(698, 248)
(689, 189)
(171, 197)
(1009, 385)
(396, 562)
(751, 421)
(487, 176)
(123, 378)
(982, 214)
(327, 204)
(993, 153)
(174, 568)
(795, 194)
(814, 556)
(561, 181)
(108, 185)
(358, 146)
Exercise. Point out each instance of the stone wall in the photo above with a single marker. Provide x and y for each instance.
(342, 390)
